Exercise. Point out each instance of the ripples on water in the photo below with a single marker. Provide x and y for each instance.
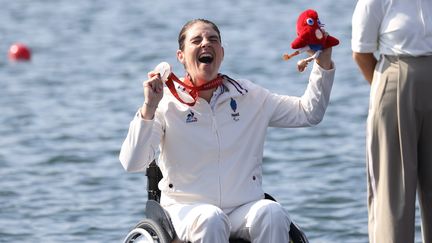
(65, 114)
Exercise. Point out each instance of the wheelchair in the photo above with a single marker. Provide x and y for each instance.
(157, 226)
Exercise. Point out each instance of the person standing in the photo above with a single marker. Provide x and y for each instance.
(399, 124)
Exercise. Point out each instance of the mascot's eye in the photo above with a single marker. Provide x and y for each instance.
(309, 21)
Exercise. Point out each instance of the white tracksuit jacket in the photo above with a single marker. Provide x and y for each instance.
(216, 156)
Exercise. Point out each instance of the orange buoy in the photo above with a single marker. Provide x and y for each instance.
(19, 52)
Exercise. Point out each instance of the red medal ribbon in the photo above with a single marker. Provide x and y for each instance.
(193, 90)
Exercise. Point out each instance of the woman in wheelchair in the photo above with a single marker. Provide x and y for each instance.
(210, 150)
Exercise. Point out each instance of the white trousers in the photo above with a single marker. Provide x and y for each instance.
(260, 221)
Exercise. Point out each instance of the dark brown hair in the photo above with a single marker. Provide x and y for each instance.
(182, 34)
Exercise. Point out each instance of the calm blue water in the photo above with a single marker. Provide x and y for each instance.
(65, 114)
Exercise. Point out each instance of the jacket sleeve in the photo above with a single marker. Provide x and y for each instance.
(307, 110)
(141, 144)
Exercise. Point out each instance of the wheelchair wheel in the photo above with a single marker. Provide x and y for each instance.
(296, 234)
(148, 231)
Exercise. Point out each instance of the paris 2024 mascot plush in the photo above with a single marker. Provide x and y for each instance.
(310, 36)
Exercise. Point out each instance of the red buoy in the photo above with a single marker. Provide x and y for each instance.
(19, 52)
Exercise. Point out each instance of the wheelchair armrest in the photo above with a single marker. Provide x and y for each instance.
(154, 175)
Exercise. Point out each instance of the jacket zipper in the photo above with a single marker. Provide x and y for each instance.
(216, 132)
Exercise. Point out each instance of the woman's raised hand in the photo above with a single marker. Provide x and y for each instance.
(153, 93)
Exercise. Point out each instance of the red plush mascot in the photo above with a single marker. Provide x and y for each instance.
(310, 36)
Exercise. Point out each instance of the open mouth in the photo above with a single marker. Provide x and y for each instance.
(206, 58)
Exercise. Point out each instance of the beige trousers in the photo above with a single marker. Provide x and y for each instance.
(399, 149)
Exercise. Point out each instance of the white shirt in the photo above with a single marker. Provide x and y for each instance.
(215, 155)
(393, 27)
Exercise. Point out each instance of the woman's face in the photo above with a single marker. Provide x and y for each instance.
(202, 54)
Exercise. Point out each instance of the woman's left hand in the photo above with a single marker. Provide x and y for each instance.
(324, 59)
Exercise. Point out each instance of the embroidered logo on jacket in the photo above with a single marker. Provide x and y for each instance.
(235, 115)
(191, 117)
